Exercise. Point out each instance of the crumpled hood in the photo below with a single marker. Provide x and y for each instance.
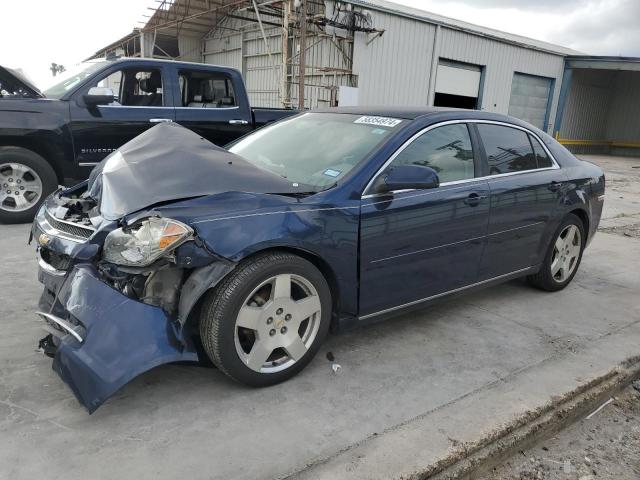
(169, 162)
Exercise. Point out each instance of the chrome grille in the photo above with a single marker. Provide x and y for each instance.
(70, 228)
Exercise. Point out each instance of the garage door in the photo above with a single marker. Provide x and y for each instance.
(530, 98)
(457, 84)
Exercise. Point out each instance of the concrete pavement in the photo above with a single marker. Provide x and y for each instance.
(411, 391)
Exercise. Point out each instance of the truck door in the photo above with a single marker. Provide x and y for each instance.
(140, 103)
(212, 104)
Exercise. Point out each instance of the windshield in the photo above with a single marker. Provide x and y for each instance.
(72, 78)
(315, 149)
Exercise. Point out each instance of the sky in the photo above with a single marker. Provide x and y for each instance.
(35, 33)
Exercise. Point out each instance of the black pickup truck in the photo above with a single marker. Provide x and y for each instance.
(57, 136)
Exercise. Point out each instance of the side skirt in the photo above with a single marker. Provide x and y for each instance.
(352, 322)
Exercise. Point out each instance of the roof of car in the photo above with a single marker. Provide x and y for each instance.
(411, 113)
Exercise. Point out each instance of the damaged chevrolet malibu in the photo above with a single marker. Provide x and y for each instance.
(177, 250)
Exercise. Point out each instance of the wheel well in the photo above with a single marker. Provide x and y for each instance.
(582, 215)
(320, 264)
(193, 318)
(40, 148)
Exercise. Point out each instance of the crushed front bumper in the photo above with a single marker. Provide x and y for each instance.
(103, 338)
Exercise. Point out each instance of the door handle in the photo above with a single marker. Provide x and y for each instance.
(160, 120)
(554, 186)
(474, 199)
(239, 122)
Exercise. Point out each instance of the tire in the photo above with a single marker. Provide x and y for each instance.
(249, 315)
(24, 177)
(549, 277)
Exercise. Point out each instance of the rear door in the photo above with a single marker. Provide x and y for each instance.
(140, 103)
(213, 104)
(525, 187)
(417, 244)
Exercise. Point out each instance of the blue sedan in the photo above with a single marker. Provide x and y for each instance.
(178, 250)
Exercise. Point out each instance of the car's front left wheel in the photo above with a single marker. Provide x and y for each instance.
(267, 319)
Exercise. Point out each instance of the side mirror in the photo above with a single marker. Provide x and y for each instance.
(98, 96)
(405, 177)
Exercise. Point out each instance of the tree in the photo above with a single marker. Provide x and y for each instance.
(56, 69)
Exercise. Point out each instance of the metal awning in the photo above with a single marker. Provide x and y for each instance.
(603, 62)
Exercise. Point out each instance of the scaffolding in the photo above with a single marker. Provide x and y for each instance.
(292, 53)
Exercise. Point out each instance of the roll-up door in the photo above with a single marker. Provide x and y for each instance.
(457, 84)
(530, 98)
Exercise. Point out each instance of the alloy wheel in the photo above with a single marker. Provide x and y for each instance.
(566, 252)
(20, 187)
(277, 323)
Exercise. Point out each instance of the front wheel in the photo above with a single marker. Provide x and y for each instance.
(563, 256)
(267, 319)
(26, 179)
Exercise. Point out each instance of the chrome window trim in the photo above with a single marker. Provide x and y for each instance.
(205, 108)
(438, 295)
(555, 165)
(134, 106)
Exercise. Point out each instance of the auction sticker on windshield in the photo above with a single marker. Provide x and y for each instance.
(378, 121)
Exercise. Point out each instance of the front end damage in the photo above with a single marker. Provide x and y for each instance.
(108, 323)
(122, 277)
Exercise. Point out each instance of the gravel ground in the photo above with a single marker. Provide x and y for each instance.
(606, 446)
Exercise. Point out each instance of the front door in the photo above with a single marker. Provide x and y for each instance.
(524, 198)
(418, 244)
(140, 103)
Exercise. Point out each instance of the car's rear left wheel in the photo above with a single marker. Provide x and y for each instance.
(267, 319)
(563, 256)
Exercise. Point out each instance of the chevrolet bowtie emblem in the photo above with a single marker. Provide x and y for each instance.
(44, 239)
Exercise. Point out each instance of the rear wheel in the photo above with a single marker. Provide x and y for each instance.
(267, 319)
(563, 256)
(26, 179)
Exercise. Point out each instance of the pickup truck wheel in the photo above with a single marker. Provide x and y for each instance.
(267, 319)
(26, 179)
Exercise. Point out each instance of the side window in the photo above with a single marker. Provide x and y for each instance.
(206, 90)
(508, 149)
(446, 149)
(543, 160)
(134, 87)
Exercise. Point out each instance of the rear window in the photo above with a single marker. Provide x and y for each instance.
(542, 158)
(508, 149)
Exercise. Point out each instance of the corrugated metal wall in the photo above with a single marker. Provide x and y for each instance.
(585, 114)
(190, 48)
(392, 69)
(602, 109)
(395, 68)
(624, 112)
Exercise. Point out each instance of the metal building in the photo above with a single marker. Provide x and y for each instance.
(381, 53)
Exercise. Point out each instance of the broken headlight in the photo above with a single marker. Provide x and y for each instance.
(143, 243)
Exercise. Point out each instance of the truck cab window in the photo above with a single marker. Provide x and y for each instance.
(134, 87)
(206, 90)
